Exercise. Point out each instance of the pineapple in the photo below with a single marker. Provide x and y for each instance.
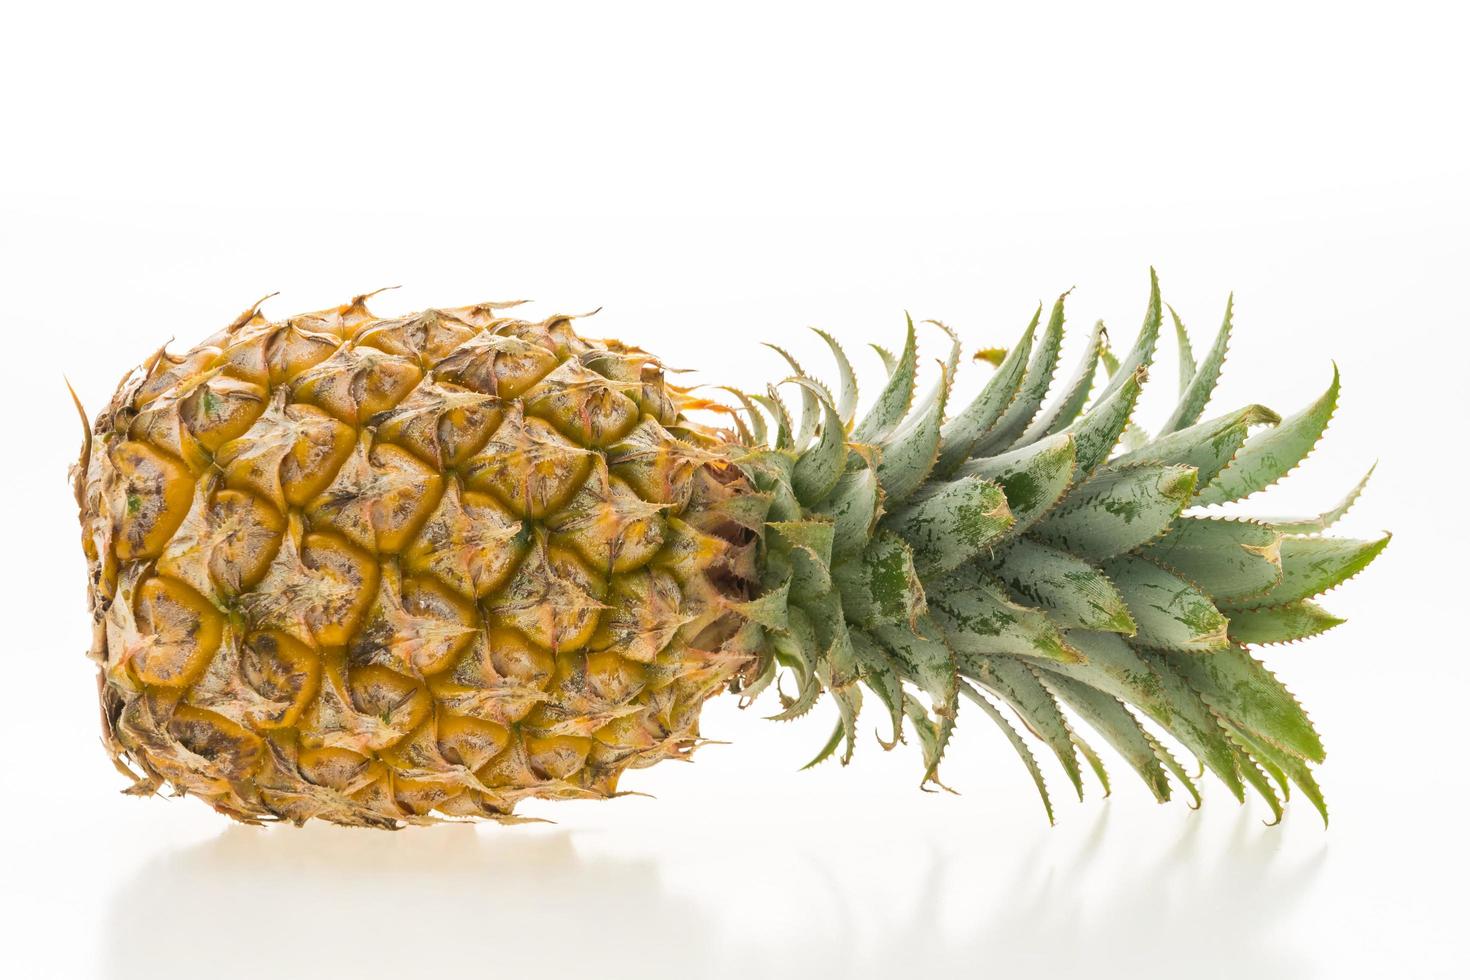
(391, 571)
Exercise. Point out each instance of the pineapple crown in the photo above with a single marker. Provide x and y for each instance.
(1027, 555)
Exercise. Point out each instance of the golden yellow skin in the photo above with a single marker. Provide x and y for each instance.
(375, 570)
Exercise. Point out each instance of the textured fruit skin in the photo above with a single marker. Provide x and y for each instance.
(385, 571)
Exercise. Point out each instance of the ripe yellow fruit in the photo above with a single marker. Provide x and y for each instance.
(371, 570)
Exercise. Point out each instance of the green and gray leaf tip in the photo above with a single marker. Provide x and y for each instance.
(1044, 560)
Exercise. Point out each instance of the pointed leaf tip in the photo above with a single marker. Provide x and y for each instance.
(1268, 456)
(897, 395)
(1313, 565)
(1325, 520)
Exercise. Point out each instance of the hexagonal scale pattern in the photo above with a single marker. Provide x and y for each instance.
(385, 571)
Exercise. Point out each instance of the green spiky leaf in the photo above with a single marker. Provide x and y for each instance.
(940, 388)
(1255, 778)
(929, 664)
(1142, 352)
(1268, 456)
(1034, 477)
(810, 554)
(849, 700)
(796, 649)
(810, 391)
(1016, 684)
(1195, 391)
(978, 617)
(1280, 624)
(893, 402)
(926, 660)
(1324, 520)
(960, 435)
(847, 391)
(1171, 614)
(877, 670)
(1111, 719)
(1097, 432)
(785, 440)
(1118, 510)
(1033, 389)
(1095, 761)
(1075, 594)
(1187, 366)
(828, 747)
(1243, 690)
(1207, 446)
(769, 609)
(908, 457)
(934, 734)
(1290, 766)
(881, 585)
(889, 359)
(1227, 558)
(1017, 742)
(854, 506)
(758, 431)
(1073, 397)
(1152, 687)
(1311, 566)
(953, 523)
(819, 468)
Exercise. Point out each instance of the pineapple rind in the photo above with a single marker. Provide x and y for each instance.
(390, 571)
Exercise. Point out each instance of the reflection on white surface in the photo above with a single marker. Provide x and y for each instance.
(793, 902)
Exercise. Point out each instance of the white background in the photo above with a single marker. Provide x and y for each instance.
(712, 178)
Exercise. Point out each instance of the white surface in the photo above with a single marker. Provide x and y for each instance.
(711, 181)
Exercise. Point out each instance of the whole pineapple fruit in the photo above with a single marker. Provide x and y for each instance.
(387, 571)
